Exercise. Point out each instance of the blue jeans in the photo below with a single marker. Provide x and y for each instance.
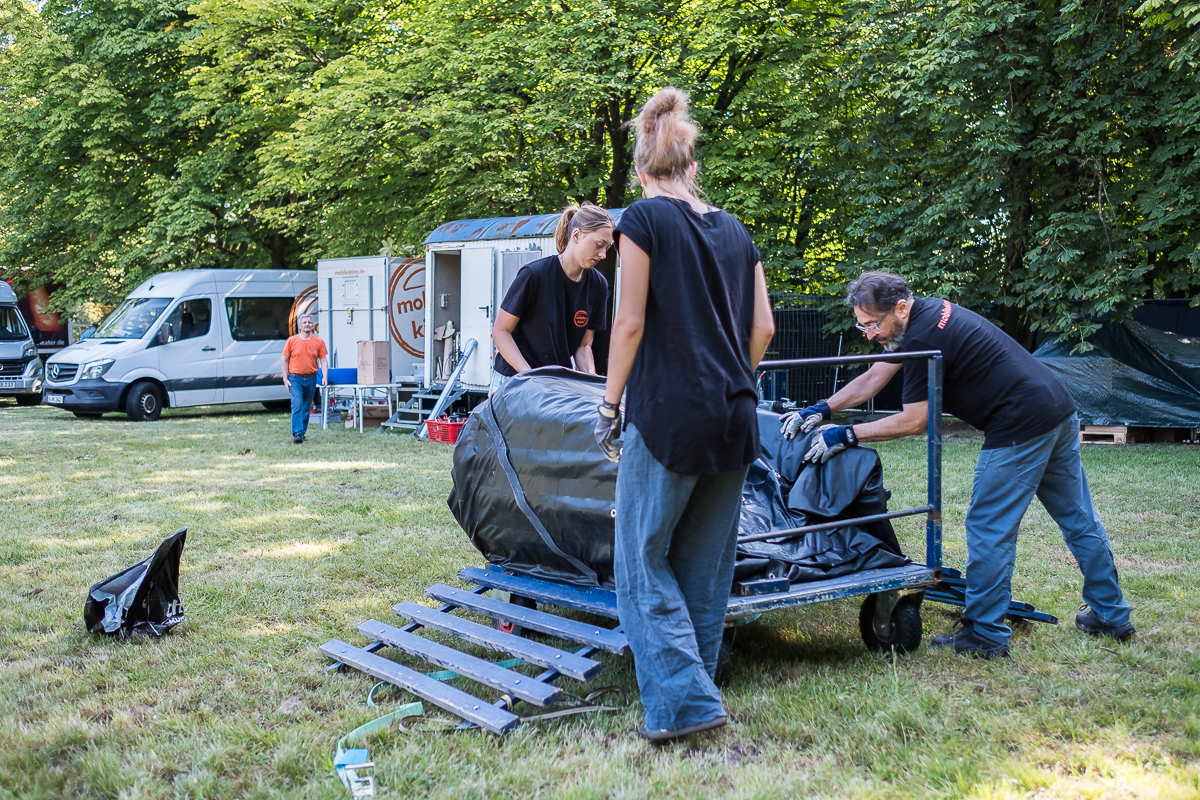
(1006, 479)
(676, 536)
(304, 388)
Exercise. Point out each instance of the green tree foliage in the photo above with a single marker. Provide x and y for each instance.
(514, 108)
(1036, 154)
(90, 127)
(250, 60)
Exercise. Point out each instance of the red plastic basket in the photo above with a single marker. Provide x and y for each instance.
(443, 430)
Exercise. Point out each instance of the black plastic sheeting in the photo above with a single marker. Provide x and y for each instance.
(1134, 376)
(142, 600)
(536, 496)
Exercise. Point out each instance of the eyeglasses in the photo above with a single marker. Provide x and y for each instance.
(874, 326)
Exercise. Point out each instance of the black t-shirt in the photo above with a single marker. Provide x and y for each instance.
(691, 393)
(555, 312)
(988, 380)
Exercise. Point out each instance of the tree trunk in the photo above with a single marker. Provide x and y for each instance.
(619, 113)
(1019, 191)
(278, 251)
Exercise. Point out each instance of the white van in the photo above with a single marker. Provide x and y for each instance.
(191, 338)
(20, 367)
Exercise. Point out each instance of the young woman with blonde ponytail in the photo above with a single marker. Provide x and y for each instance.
(693, 321)
(556, 304)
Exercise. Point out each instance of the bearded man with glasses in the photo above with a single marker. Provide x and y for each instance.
(1030, 447)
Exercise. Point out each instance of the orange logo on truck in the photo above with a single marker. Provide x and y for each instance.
(406, 306)
(581, 319)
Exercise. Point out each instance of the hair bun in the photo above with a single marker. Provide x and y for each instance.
(666, 135)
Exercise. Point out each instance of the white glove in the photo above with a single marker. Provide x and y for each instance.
(804, 420)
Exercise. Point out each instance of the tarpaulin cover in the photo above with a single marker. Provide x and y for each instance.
(142, 600)
(536, 496)
(1134, 376)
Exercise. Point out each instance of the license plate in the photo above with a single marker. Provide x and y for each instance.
(8, 384)
(54, 398)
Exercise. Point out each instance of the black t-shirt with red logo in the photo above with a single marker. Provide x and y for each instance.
(988, 380)
(555, 312)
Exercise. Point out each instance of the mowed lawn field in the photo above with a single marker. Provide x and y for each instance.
(290, 546)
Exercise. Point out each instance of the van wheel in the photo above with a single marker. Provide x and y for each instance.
(29, 399)
(144, 403)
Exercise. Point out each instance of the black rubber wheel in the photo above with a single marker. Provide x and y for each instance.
(278, 405)
(724, 675)
(144, 403)
(86, 414)
(29, 399)
(906, 626)
(511, 627)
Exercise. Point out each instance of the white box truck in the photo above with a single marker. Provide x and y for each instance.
(189, 338)
(373, 298)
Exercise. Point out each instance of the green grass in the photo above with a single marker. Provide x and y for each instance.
(291, 546)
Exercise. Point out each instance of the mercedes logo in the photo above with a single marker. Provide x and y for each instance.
(54, 372)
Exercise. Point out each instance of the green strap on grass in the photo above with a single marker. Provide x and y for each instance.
(378, 724)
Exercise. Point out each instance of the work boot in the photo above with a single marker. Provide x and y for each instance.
(297, 439)
(966, 642)
(1088, 621)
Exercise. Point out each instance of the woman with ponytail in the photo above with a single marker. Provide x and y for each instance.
(693, 321)
(555, 305)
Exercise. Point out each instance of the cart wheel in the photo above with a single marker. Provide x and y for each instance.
(506, 626)
(906, 627)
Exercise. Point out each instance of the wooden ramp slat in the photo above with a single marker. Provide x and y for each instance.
(457, 702)
(568, 664)
(572, 630)
(594, 601)
(485, 672)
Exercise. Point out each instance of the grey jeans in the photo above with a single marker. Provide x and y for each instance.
(676, 537)
(1006, 480)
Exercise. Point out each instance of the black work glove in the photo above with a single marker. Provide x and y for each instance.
(804, 420)
(608, 430)
(828, 441)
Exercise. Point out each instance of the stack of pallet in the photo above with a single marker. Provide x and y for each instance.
(1123, 434)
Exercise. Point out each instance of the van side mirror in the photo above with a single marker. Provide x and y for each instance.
(36, 335)
(88, 333)
(165, 334)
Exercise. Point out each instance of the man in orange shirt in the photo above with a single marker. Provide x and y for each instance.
(303, 356)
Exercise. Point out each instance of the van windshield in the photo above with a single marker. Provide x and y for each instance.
(132, 318)
(12, 327)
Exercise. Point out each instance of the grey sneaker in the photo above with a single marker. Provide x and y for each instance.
(968, 643)
(659, 735)
(1088, 621)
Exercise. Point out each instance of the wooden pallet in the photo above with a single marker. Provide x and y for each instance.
(1122, 434)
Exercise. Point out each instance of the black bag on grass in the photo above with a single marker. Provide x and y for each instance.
(142, 600)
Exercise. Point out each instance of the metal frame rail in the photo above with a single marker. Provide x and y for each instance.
(933, 504)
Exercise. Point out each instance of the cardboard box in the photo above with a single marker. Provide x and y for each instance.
(374, 366)
(373, 416)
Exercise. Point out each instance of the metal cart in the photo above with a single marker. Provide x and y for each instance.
(890, 619)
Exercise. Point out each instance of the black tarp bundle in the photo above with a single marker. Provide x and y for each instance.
(142, 600)
(1134, 376)
(536, 496)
